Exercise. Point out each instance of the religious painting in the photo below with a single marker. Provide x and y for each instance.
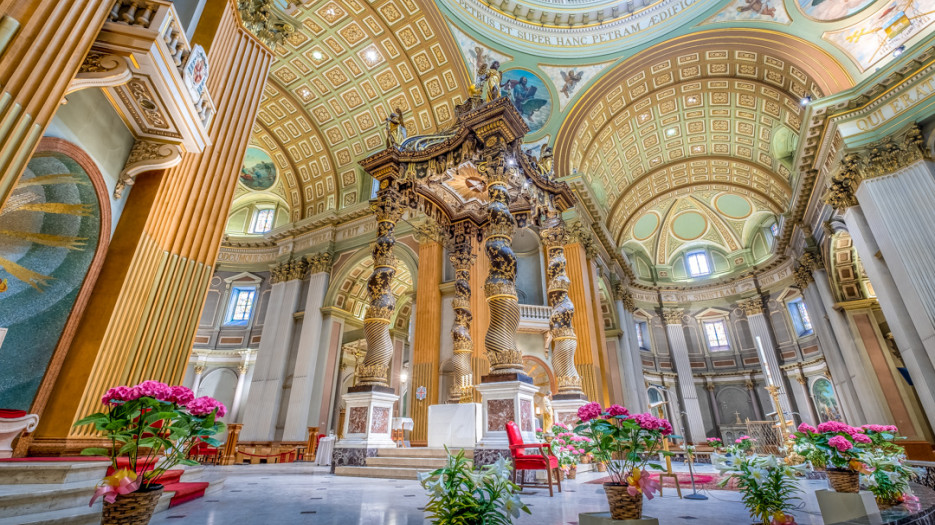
(753, 11)
(884, 34)
(49, 232)
(829, 10)
(569, 80)
(258, 172)
(826, 404)
(530, 96)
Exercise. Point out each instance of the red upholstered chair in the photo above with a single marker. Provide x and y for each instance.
(522, 461)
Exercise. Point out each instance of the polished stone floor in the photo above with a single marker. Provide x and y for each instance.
(303, 494)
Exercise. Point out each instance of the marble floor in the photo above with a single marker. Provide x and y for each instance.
(302, 494)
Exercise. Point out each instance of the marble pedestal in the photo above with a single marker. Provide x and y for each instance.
(603, 518)
(837, 507)
(455, 426)
(501, 402)
(565, 407)
(366, 426)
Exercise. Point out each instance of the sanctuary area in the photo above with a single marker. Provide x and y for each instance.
(601, 262)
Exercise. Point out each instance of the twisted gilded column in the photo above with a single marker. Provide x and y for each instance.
(564, 340)
(461, 389)
(372, 372)
(500, 286)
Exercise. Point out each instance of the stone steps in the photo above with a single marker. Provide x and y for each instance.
(379, 472)
(21, 501)
(419, 452)
(86, 516)
(400, 463)
(36, 472)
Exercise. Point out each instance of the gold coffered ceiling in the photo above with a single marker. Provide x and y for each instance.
(698, 113)
(348, 66)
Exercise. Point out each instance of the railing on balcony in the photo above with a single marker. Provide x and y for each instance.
(160, 15)
(533, 312)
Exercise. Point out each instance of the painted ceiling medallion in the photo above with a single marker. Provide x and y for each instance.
(467, 183)
(733, 206)
(689, 225)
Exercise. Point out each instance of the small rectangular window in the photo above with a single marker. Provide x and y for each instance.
(262, 221)
(716, 333)
(800, 318)
(241, 306)
(641, 338)
(698, 264)
(774, 229)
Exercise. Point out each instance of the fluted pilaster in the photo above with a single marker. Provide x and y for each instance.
(564, 340)
(372, 372)
(35, 70)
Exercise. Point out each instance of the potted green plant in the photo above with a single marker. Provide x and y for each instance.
(462, 495)
(614, 433)
(151, 428)
(840, 447)
(743, 445)
(888, 478)
(767, 486)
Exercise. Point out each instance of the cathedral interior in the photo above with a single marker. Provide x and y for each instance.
(369, 220)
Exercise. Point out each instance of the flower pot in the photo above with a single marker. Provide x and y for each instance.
(602, 467)
(844, 480)
(135, 508)
(623, 506)
(572, 471)
(585, 460)
(560, 472)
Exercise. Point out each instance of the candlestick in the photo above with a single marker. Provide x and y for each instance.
(762, 353)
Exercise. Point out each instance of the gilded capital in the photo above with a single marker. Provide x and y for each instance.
(622, 294)
(289, 270)
(808, 263)
(751, 306)
(430, 231)
(319, 262)
(673, 315)
(577, 232)
(841, 191)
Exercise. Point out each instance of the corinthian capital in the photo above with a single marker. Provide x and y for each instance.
(751, 306)
(673, 315)
(319, 262)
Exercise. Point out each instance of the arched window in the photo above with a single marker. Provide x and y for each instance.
(262, 220)
(698, 264)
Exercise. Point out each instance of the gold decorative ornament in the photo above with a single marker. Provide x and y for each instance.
(259, 18)
(461, 388)
(673, 316)
(752, 306)
(564, 340)
(319, 263)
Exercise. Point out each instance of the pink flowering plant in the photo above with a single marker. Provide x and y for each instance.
(569, 447)
(151, 423)
(715, 442)
(833, 444)
(742, 445)
(625, 442)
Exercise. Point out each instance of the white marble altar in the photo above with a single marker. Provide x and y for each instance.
(455, 426)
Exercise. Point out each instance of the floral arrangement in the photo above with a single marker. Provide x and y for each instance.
(767, 486)
(833, 444)
(615, 433)
(147, 422)
(714, 442)
(569, 447)
(889, 478)
(460, 495)
(743, 444)
(882, 438)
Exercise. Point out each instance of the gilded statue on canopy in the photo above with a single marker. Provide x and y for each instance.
(493, 81)
(395, 129)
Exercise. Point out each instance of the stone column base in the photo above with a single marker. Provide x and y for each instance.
(503, 401)
(369, 411)
(565, 407)
(351, 457)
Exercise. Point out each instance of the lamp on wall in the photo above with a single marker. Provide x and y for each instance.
(403, 376)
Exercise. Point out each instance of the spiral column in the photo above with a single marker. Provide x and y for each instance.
(372, 372)
(500, 286)
(461, 389)
(563, 312)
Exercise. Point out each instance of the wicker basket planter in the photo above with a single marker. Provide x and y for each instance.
(601, 466)
(623, 506)
(844, 480)
(572, 472)
(135, 508)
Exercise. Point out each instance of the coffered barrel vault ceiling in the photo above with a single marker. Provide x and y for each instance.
(702, 115)
(347, 67)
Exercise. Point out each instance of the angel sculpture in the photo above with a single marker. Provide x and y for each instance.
(493, 81)
(545, 161)
(571, 79)
(395, 129)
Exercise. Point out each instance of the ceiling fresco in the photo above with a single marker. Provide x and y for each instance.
(650, 105)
